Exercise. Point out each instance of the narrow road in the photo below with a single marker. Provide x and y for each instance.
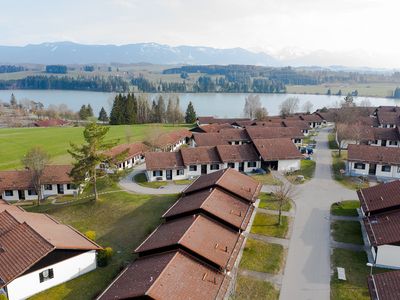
(307, 271)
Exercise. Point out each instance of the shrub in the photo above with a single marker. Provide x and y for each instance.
(91, 235)
(104, 256)
(3, 297)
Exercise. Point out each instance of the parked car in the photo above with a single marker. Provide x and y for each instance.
(260, 171)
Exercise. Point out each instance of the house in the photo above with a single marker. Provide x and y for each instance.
(388, 116)
(231, 210)
(193, 162)
(232, 136)
(384, 286)
(164, 166)
(382, 162)
(384, 137)
(383, 232)
(300, 124)
(381, 198)
(168, 275)
(191, 256)
(210, 120)
(214, 127)
(37, 252)
(17, 185)
(258, 132)
(278, 154)
(125, 156)
(171, 141)
(314, 120)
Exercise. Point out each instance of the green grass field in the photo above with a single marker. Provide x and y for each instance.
(141, 179)
(347, 232)
(268, 201)
(266, 224)
(307, 169)
(120, 220)
(345, 208)
(367, 90)
(15, 142)
(250, 288)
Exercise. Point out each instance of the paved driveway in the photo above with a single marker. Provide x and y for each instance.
(307, 271)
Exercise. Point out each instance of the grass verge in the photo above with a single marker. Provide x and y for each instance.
(141, 179)
(183, 182)
(347, 232)
(120, 220)
(250, 288)
(345, 208)
(262, 257)
(307, 169)
(268, 201)
(266, 224)
(354, 263)
(267, 179)
(332, 141)
(339, 166)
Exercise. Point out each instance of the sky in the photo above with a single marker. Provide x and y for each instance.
(347, 32)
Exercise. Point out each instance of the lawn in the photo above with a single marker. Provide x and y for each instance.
(141, 179)
(250, 288)
(268, 201)
(307, 169)
(355, 287)
(16, 141)
(120, 220)
(332, 141)
(183, 182)
(262, 257)
(347, 232)
(345, 208)
(266, 224)
(267, 179)
(350, 182)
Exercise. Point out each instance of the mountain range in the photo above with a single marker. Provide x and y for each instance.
(74, 53)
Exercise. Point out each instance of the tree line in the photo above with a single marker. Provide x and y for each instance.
(96, 83)
(133, 109)
(11, 69)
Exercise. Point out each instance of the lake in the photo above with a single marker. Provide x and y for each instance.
(212, 104)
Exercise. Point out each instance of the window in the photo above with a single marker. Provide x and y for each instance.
(157, 173)
(9, 193)
(48, 187)
(375, 142)
(32, 192)
(296, 141)
(251, 164)
(214, 167)
(393, 143)
(180, 172)
(359, 166)
(46, 275)
(193, 168)
(231, 165)
(237, 143)
(71, 186)
(386, 168)
(398, 169)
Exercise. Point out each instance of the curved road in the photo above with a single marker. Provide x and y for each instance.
(307, 271)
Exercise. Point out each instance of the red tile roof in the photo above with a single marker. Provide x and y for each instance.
(277, 149)
(170, 275)
(237, 153)
(215, 202)
(52, 174)
(163, 160)
(212, 127)
(199, 235)
(209, 139)
(258, 132)
(230, 180)
(171, 138)
(374, 154)
(200, 155)
(131, 150)
(302, 125)
(383, 228)
(384, 286)
(380, 197)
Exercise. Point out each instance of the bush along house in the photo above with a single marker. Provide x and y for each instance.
(37, 252)
(17, 185)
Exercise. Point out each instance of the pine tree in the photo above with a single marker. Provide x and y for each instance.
(13, 100)
(116, 111)
(161, 110)
(83, 112)
(129, 114)
(190, 116)
(170, 111)
(103, 115)
(89, 111)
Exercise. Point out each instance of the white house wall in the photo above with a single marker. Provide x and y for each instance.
(394, 171)
(45, 193)
(289, 165)
(29, 284)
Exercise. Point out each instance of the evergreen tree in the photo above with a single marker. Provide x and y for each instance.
(129, 114)
(190, 116)
(116, 111)
(170, 111)
(83, 112)
(89, 111)
(13, 101)
(396, 93)
(103, 115)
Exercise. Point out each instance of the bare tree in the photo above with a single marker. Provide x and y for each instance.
(343, 133)
(365, 103)
(283, 194)
(35, 161)
(261, 113)
(289, 106)
(152, 136)
(251, 106)
(307, 107)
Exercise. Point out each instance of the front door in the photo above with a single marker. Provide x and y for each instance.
(203, 169)
(21, 194)
(241, 167)
(169, 174)
(372, 169)
(384, 142)
(60, 189)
